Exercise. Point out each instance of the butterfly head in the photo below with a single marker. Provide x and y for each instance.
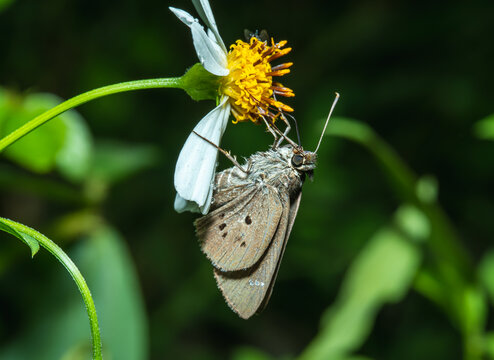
(303, 161)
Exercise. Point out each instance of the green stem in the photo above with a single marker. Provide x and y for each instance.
(56, 251)
(85, 97)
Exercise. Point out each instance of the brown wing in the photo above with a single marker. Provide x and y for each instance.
(229, 184)
(291, 220)
(224, 196)
(236, 235)
(245, 291)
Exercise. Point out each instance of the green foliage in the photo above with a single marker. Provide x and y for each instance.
(34, 239)
(446, 279)
(105, 261)
(382, 273)
(115, 161)
(63, 144)
(9, 227)
(484, 129)
(416, 77)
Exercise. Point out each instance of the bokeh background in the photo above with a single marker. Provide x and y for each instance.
(391, 255)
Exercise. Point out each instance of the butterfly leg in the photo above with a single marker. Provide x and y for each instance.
(249, 165)
(285, 133)
(269, 126)
(232, 158)
(275, 129)
(287, 129)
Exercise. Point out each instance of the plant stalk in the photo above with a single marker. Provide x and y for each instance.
(56, 251)
(85, 97)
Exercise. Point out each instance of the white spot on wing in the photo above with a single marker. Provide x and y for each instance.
(256, 283)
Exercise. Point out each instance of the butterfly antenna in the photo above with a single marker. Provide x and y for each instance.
(327, 120)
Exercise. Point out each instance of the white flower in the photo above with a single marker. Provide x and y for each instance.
(196, 165)
(245, 88)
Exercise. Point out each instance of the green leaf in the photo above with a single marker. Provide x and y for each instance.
(37, 151)
(58, 326)
(429, 285)
(107, 262)
(74, 157)
(486, 274)
(382, 273)
(413, 222)
(475, 299)
(20, 231)
(16, 229)
(427, 189)
(489, 344)
(484, 129)
(114, 161)
(474, 313)
(63, 143)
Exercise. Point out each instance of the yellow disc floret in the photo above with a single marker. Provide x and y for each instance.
(249, 85)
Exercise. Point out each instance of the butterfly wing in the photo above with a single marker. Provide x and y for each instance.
(291, 220)
(237, 234)
(229, 185)
(245, 291)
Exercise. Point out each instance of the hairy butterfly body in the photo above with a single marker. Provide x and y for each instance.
(251, 217)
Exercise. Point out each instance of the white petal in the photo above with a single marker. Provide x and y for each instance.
(182, 205)
(206, 14)
(210, 54)
(218, 47)
(184, 16)
(195, 169)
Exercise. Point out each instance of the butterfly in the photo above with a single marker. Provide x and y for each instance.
(251, 216)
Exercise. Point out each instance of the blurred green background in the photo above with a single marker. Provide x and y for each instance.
(391, 256)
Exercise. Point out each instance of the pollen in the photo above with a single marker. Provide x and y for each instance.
(250, 86)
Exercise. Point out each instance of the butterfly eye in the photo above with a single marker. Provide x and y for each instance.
(297, 160)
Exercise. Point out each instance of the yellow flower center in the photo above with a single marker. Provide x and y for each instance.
(250, 86)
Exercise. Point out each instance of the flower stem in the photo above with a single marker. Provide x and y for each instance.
(61, 256)
(85, 97)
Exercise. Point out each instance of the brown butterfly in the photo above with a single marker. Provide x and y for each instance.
(250, 219)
